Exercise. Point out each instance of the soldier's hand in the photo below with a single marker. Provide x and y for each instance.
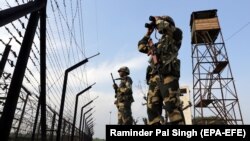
(115, 86)
(150, 31)
(157, 18)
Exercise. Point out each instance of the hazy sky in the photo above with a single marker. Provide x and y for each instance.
(114, 27)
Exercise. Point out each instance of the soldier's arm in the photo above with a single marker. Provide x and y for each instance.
(143, 44)
(127, 88)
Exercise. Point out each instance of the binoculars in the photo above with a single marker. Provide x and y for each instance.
(152, 23)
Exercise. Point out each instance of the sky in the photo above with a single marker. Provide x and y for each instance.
(114, 27)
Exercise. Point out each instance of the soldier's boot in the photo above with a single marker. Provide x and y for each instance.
(178, 122)
(175, 114)
(157, 123)
(119, 121)
(172, 104)
(165, 118)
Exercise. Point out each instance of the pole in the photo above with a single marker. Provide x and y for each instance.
(58, 136)
(64, 92)
(52, 126)
(89, 121)
(4, 57)
(75, 112)
(42, 97)
(80, 125)
(36, 120)
(88, 116)
(21, 118)
(83, 134)
(84, 118)
(14, 13)
(17, 79)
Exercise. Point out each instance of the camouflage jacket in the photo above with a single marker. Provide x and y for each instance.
(167, 53)
(124, 91)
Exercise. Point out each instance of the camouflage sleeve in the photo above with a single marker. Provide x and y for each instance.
(142, 44)
(127, 89)
(128, 86)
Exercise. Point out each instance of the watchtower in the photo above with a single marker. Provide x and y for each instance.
(214, 92)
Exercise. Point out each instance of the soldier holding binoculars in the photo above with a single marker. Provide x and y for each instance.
(163, 77)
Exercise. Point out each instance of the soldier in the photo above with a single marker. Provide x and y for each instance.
(124, 97)
(164, 76)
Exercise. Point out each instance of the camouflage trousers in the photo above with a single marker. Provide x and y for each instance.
(124, 113)
(164, 95)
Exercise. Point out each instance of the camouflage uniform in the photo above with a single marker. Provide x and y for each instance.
(164, 77)
(154, 99)
(124, 101)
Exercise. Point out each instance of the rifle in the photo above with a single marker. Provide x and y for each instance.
(154, 56)
(153, 51)
(114, 84)
(156, 70)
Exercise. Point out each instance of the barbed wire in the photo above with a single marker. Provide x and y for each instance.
(64, 49)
